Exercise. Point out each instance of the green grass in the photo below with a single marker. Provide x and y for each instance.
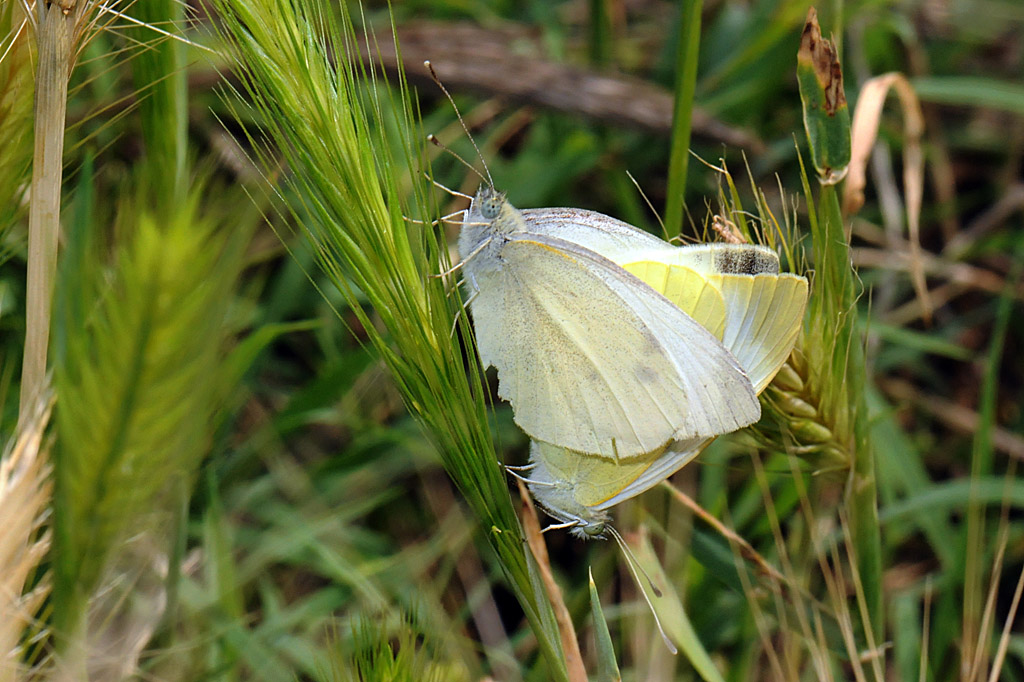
(273, 458)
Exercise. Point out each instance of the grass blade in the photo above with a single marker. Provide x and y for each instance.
(682, 113)
(607, 666)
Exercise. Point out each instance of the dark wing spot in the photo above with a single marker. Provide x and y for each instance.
(744, 261)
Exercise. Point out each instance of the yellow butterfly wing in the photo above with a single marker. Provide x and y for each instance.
(694, 293)
(737, 293)
(764, 314)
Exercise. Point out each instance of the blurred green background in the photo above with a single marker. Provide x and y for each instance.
(315, 525)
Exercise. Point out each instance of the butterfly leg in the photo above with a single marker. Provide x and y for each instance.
(462, 262)
(449, 190)
(524, 467)
(433, 223)
(530, 481)
(568, 524)
(455, 324)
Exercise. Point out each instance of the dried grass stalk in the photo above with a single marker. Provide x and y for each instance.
(25, 488)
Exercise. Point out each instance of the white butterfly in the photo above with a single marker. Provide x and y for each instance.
(592, 358)
(622, 355)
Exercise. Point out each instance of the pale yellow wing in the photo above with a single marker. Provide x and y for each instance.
(591, 479)
(763, 316)
(572, 484)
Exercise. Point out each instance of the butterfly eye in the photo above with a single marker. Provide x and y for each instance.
(491, 207)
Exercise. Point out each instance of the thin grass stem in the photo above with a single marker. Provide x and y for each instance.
(687, 56)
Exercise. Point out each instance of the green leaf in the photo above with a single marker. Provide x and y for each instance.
(973, 91)
(670, 611)
(607, 666)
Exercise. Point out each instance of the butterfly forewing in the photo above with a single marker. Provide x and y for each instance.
(756, 312)
(613, 239)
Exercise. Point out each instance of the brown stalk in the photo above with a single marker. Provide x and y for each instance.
(951, 414)
(1004, 639)
(566, 631)
(504, 63)
(62, 30)
(957, 273)
(55, 39)
(744, 547)
(991, 218)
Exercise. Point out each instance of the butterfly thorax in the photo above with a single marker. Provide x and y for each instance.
(488, 224)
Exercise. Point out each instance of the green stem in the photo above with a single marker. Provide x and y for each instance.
(981, 466)
(682, 114)
(600, 33)
(159, 72)
(73, 663)
(862, 492)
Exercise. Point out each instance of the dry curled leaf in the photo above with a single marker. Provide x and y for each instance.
(866, 119)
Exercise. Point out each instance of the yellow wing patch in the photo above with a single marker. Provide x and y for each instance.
(757, 317)
(593, 480)
(695, 294)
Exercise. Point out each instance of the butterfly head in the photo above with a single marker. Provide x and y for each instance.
(489, 202)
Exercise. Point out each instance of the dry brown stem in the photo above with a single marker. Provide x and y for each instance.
(745, 549)
(62, 29)
(953, 415)
(55, 48)
(958, 273)
(566, 631)
(504, 63)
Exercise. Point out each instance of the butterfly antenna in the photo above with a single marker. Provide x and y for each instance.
(633, 560)
(637, 570)
(462, 122)
(433, 140)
